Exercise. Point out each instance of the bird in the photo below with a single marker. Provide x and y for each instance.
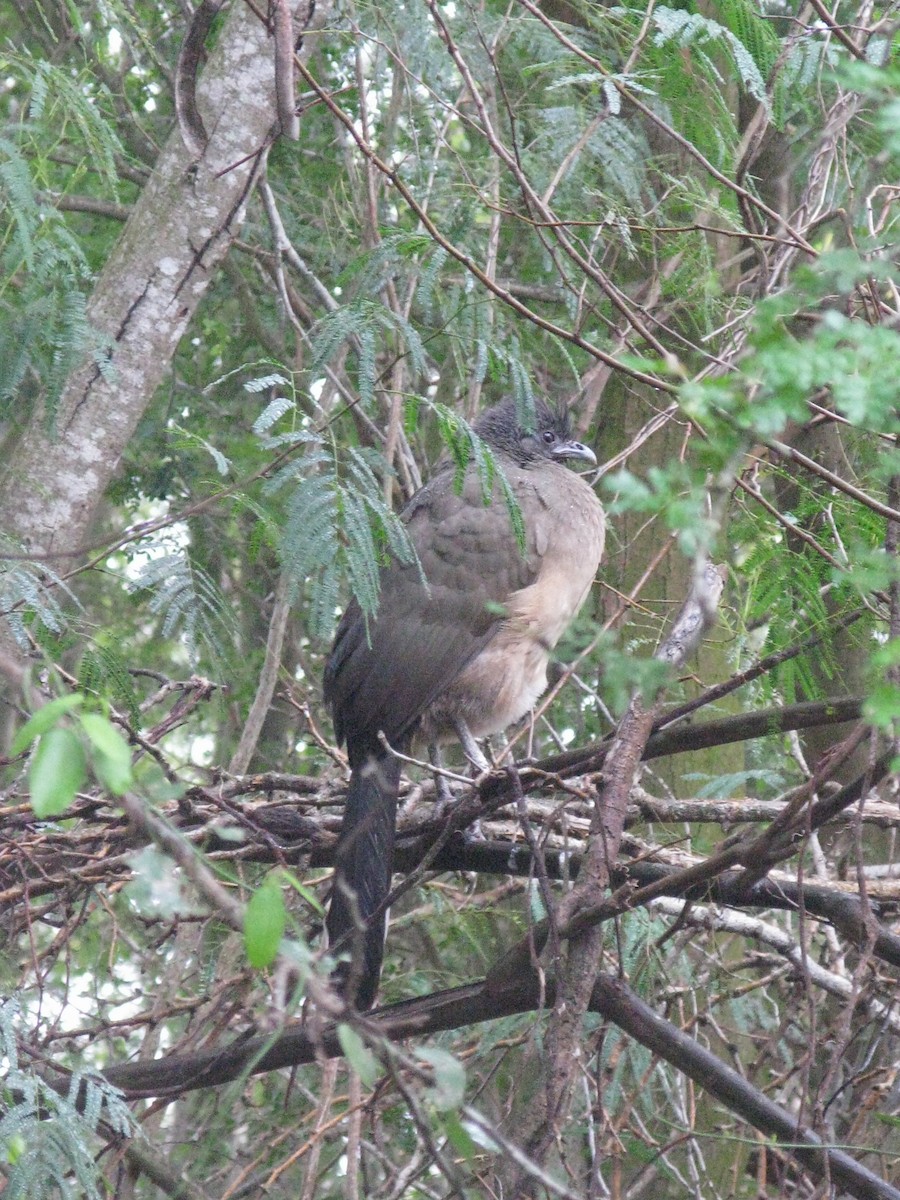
(459, 645)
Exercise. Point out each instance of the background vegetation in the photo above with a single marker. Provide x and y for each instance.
(231, 344)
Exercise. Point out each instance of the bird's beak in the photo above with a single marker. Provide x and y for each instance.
(575, 450)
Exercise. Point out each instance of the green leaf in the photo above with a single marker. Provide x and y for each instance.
(459, 1137)
(264, 923)
(156, 888)
(16, 1148)
(307, 893)
(882, 708)
(230, 833)
(358, 1055)
(56, 773)
(111, 757)
(449, 1089)
(536, 902)
(887, 655)
(43, 720)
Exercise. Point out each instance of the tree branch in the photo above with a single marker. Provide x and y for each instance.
(460, 1007)
(577, 968)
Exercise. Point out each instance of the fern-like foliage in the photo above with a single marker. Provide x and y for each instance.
(44, 273)
(427, 279)
(791, 591)
(28, 593)
(466, 446)
(62, 100)
(336, 523)
(186, 599)
(362, 322)
(105, 673)
(805, 63)
(47, 1140)
(687, 29)
(43, 326)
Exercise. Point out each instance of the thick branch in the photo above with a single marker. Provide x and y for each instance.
(461, 1007)
(681, 738)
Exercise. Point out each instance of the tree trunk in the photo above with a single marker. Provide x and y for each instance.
(178, 233)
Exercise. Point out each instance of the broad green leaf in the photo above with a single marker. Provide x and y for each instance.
(156, 888)
(358, 1055)
(449, 1089)
(16, 1147)
(230, 833)
(459, 1137)
(43, 720)
(264, 923)
(111, 759)
(56, 773)
(883, 705)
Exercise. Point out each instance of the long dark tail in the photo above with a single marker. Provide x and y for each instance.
(363, 866)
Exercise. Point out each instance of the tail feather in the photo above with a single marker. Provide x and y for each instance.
(357, 917)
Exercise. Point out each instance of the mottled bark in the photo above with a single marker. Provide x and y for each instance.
(177, 235)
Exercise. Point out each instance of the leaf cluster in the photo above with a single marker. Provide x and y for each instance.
(46, 1137)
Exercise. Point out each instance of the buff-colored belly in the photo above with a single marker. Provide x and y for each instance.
(506, 677)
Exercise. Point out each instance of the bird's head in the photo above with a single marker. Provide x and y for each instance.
(528, 438)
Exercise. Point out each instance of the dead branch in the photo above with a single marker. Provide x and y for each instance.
(477, 1002)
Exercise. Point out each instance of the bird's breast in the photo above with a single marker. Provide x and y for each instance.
(565, 530)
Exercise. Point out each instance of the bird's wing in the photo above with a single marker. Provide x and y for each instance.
(422, 636)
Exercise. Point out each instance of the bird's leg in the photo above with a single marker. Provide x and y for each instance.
(443, 795)
(471, 749)
(480, 764)
(444, 798)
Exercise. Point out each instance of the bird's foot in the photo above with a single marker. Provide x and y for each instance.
(442, 795)
(474, 832)
(471, 749)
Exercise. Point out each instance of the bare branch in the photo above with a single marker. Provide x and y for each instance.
(285, 97)
(609, 996)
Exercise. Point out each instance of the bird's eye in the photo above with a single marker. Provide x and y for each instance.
(549, 437)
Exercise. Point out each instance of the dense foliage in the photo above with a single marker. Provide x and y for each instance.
(683, 221)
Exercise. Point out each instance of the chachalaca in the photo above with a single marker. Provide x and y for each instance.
(464, 656)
